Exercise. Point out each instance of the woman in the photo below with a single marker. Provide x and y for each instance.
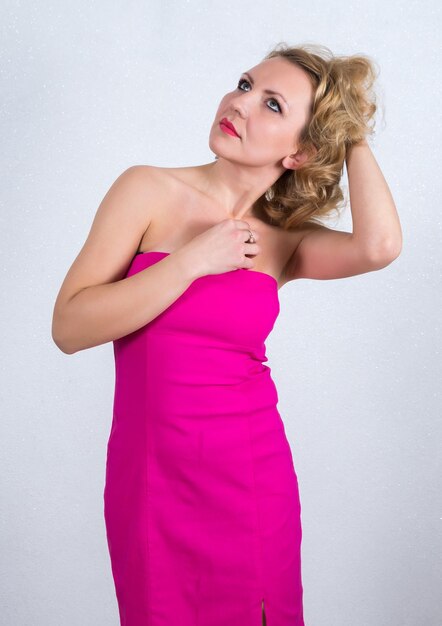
(181, 270)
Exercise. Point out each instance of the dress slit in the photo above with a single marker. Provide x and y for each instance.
(264, 621)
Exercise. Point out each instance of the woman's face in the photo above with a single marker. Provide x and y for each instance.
(268, 123)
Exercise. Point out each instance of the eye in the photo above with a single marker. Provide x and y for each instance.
(243, 80)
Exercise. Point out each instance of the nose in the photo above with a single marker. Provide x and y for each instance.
(239, 105)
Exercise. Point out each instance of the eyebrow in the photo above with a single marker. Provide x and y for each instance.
(269, 91)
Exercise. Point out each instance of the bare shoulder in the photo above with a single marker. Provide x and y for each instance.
(164, 182)
(154, 174)
(168, 174)
(120, 222)
(159, 187)
(171, 190)
(151, 174)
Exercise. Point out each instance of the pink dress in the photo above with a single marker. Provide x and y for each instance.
(201, 501)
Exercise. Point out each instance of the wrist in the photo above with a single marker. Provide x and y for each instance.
(186, 264)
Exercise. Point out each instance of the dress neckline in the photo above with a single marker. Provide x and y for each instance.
(264, 274)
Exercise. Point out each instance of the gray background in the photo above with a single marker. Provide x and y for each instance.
(89, 90)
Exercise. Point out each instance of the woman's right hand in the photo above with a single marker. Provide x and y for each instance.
(222, 248)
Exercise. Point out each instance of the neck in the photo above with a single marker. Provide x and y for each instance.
(236, 188)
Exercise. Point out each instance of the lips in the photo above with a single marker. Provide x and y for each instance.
(226, 122)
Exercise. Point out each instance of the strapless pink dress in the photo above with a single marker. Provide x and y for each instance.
(201, 500)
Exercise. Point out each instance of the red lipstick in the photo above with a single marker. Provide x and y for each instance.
(228, 127)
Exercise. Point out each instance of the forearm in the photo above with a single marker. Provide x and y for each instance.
(103, 313)
(375, 219)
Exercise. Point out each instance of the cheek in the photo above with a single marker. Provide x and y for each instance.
(268, 139)
(262, 125)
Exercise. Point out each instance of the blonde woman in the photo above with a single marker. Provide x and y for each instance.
(181, 270)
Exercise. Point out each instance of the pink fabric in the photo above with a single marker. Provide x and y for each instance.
(201, 500)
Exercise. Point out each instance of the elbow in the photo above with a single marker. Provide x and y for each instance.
(62, 345)
(60, 339)
(65, 349)
(385, 253)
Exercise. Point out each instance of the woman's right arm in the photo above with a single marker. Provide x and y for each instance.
(96, 304)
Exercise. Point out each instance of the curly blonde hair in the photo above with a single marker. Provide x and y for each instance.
(341, 114)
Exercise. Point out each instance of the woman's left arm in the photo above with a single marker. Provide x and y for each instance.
(375, 220)
(324, 253)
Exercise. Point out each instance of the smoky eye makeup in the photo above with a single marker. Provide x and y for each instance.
(243, 80)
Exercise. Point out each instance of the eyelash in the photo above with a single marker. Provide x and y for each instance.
(244, 80)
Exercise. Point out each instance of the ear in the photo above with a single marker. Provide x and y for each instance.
(294, 161)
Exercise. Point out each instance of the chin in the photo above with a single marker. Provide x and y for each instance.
(218, 147)
(214, 147)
